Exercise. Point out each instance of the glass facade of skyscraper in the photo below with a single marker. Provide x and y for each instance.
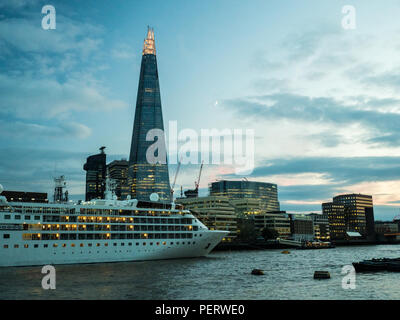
(118, 170)
(145, 178)
(267, 193)
(95, 168)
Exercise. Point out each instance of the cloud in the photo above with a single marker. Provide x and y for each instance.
(345, 170)
(378, 176)
(28, 131)
(28, 169)
(49, 77)
(383, 127)
(26, 97)
(123, 51)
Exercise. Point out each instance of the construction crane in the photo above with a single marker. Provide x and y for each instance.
(176, 175)
(193, 193)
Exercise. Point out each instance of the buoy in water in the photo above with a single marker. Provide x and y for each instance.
(257, 272)
(286, 251)
(322, 275)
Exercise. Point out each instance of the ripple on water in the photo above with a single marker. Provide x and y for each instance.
(222, 275)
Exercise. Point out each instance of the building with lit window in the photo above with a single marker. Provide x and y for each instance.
(267, 193)
(336, 218)
(215, 212)
(22, 196)
(277, 221)
(95, 168)
(301, 227)
(147, 176)
(359, 213)
(321, 226)
(350, 213)
(118, 170)
(246, 206)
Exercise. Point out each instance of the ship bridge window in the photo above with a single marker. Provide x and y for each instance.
(17, 217)
(7, 216)
(6, 236)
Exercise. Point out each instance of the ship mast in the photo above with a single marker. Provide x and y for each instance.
(60, 183)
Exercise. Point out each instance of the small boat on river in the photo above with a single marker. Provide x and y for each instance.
(383, 264)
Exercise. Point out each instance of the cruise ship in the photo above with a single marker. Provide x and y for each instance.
(106, 230)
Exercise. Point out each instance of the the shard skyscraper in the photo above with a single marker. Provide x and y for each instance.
(145, 178)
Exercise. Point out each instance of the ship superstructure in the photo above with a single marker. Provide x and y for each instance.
(105, 230)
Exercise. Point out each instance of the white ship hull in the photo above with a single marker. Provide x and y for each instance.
(96, 254)
(102, 231)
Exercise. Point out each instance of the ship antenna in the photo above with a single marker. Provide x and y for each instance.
(59, 184)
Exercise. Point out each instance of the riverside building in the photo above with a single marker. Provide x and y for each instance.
(118, 170)
(350, 213)
(321, 226)
(215, 212)
(95, 168)
(278, 221)
(301, 227)
(267, 193)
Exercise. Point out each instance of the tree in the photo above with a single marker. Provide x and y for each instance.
(269, 234)
(246, 230)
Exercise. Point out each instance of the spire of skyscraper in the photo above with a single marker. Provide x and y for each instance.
(149, 46)
(145, 178)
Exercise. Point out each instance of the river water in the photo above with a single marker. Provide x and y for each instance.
(221, 275)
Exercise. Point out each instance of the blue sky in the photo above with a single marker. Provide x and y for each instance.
(323, 101)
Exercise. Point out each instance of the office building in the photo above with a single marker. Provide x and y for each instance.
(336, 218)
(215, 212)
(246, 206)
(277, 221)
(386, 227)
(145, 175)
(321, 226)
(22, 196)
(301, 227)
(118, 170)
(359, 213)
(95, 168)
(267, 193)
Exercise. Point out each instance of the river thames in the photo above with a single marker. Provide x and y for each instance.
(221, 275)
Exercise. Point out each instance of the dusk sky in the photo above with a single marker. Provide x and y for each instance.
(324, 101)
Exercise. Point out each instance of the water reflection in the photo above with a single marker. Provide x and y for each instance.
(222, 275)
